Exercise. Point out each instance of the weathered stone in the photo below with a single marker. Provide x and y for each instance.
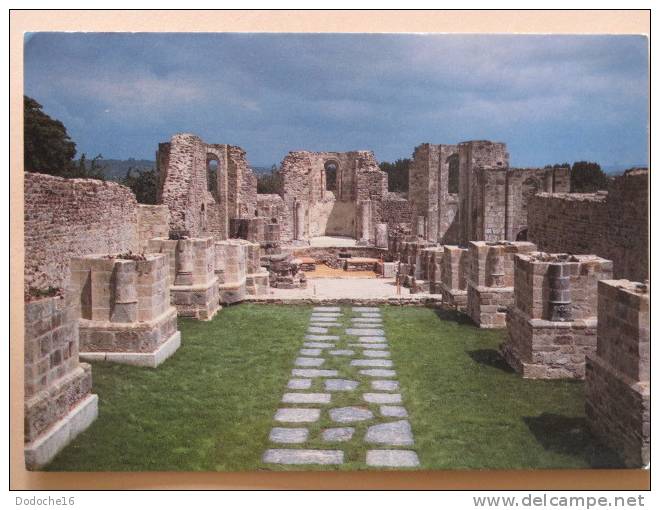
(369, 346)
(327, 309)
(340, 385)
(342, 352)
(318, 345)
(299, 384)
(350, 414)
(316, 318)
(322, 338)
(358, 322)
(371, 363)
(306, 398)
(378, 372)
(288, 435)
(385, 385)
(393, 411)
(396, 433)
(325, 314)
(309, 362)
(299, 456)
(372, 339)
(392, 458)
(297, 415)
(365, 309)
(374, 353)
(315, 329)
(311, 352)
(382, 398)
(338, 434)
(325, 325)
(364, 331)
(313, 372)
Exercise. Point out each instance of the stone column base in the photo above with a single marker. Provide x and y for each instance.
(487, 306)
(141, 359)
(256, 284)
(619, 411)
(454, 298)
(197, 301)
(43, 449)
(539, 349)
(231, 292)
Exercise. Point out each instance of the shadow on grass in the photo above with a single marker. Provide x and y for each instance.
(570, 436)
(491, 358)
(454, 316)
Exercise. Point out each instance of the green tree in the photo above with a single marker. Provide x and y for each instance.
(48, 147)
(587, 177)
(269, 183)
(144, 184)
(397, 174)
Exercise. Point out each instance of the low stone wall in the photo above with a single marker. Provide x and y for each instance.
(58, 400)
(66, 218)
(552, 323)
(617, 386)
(455, 267)
(231, 269)
(124, 309)
(193, 283)
(153, 221)
(490, 280)
(613, 225)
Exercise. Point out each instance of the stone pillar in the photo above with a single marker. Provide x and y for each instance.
(58, 401)
(257, 278)
(194, 288)
(230, 269)
(365, 223)
(299, 224)
(381, 235)
(125, 292)
(183, 257)
(551, 326)
(118, 323)
(490, 280)
(455, 262)
(421, 227)
(617, 386)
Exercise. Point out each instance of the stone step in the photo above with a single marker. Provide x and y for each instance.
(385, 385)
(350, 414)
(338, 434)
(378, 372)
(392, 458)
(382, 398)
(371, 363)
(284, 456)
(313, 372)
(288, 435)
(355, 331)
(373, 353)
(393, 411)
(296, 415)
(396, 433)
(309, 398)
(340, 385)
(309, 362)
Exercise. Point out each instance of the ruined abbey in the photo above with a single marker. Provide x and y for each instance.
(566, 274)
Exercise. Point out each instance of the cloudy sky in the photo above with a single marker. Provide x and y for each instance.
(550, 98)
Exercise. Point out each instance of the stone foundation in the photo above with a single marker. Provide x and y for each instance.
(230, 269)
(124, 309)
(552, 325)
(58, 401)
(490, 280)
(386, 269)
(193, 283)
(617, 386)
(453, 285)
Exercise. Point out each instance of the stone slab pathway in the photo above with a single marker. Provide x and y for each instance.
(351, 363)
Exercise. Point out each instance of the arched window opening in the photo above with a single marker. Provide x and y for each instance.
(330, 176)
(522, 235)
(452, 174)
(212, 174)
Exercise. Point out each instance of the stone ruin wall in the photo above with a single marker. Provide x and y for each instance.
(613, 225)
(312, 210)
(153, 221)
(196, 208)
(66, 218)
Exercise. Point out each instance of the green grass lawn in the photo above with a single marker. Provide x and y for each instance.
(210, 407)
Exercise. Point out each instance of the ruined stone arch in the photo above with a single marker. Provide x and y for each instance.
(330, 174)
(212, 172)
(452, 173)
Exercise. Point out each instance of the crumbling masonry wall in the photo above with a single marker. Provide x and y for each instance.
(351, 209)
(66, 218)
(199, 205)
(617, 386)
(613, 224)
(153, 221)
(552, 323)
